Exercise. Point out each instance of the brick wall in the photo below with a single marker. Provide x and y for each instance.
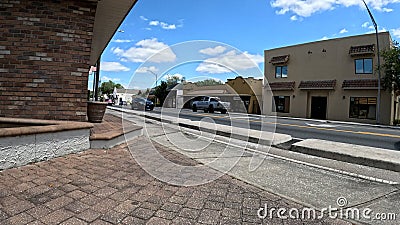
(44, 58)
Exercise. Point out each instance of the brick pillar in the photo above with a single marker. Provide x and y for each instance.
(44, 58)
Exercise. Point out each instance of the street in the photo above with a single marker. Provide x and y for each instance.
(387, 138)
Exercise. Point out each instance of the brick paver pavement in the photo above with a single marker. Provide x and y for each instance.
(109, 187)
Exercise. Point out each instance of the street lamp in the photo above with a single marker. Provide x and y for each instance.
(156, 82)
(378, 103)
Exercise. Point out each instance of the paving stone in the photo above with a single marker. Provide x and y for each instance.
(88, 215)
(189, 213)
(39, 211)
(143, 213)
(76, 207)
(74, 221)
(158, 221)
(133, 220)
(56, 217)
(58, 202)
(20, 219)
(113, 217)
(183, 221)
(76, 194)
(209, 216)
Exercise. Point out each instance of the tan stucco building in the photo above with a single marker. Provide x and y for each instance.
(250, 91)
(331, 79)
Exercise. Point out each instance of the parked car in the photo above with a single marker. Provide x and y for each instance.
(211, 104)
(142, 104)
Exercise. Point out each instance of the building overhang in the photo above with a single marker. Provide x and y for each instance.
(109, 16)
(362, 50)
(281, 86)
(283, 59)
(360, 84)
(317, 85)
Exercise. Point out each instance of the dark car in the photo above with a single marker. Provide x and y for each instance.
(142, 104)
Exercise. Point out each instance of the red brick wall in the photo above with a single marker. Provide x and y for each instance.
(44, 58)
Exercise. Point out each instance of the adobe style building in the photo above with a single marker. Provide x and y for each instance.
(46, 50)
(331, 79)
(250, 91)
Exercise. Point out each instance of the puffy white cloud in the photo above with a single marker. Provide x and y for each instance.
(309, 7)
(343, 31)
(365, 25)
(122, 41)
(113, 67)
(158, 51)
(228, 61)
(163, 25)
(145, 69)
(293, 18)
(213, 51)
(154, 23)
(105, 79)
(143, 18)
(396, 32)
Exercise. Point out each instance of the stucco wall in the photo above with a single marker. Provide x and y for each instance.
(21, 150)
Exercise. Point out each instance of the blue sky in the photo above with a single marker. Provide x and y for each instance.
(234, 33)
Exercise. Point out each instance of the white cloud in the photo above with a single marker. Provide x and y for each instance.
(309, 7)
(396, 32)
(230, 61)
(105, 79)
(293, 18)
(143, 18)
(324, 38)
(122, 41)
(343, 31)
(365, 25)
(113, 67)
(387, 10)
(158, 51)
(145, 69)
(163, 25)
(154, 23)
(213, 51)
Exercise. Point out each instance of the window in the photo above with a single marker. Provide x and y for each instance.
(363, 107)
(282, 103)
(363, 66)
(280, 71)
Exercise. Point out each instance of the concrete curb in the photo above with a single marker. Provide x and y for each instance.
(357, 154)
(253, 136)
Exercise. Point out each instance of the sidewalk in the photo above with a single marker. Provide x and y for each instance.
(109, 187)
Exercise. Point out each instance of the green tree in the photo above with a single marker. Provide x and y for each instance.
(171, 80)
(391, 68)
(161, 91)
(108, 87)
(208, 82)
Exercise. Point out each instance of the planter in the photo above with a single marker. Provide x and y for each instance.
(95, 111)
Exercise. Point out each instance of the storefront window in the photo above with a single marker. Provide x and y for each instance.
(363, 107)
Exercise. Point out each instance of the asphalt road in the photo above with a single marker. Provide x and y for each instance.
(366, 135)
(387, 138)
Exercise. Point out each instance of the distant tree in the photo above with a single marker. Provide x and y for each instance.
(140, 93)
(208, 82)
(108, 87)
(161, 91)
(171, 80)
(391, 68)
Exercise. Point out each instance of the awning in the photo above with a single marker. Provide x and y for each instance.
(360, 84)
(279, 59)
(109, 16)
(317, 84)
(282, 86)
(362, 50)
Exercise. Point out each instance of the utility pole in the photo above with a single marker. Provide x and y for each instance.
(378, 103)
